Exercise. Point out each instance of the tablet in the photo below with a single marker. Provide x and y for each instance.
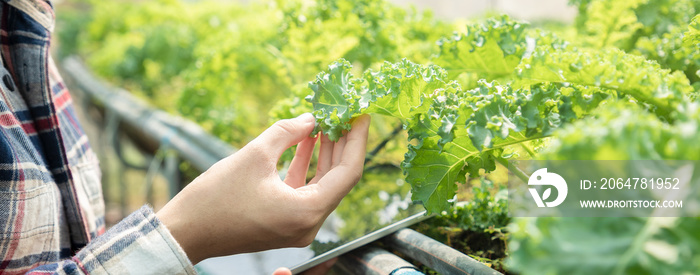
(352, 244)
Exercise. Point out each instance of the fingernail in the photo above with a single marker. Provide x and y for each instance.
(307, 117)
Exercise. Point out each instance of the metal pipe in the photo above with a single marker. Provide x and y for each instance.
(434, 254)
(191, 142)
(374, 261)
(196, 134)
(172, 173)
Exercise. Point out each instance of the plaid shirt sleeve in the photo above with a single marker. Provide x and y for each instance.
(139, 244)
(51, 205)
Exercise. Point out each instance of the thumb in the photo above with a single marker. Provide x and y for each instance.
(286, 133)
(282, 271)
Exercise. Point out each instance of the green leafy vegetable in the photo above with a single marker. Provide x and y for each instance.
(614, 245)
(397, 89)
(608, 22)
(692, 37)
(603, 23)
(457, 132)
(469, 136)
(610, 69)
(671, 53)
(491, 50)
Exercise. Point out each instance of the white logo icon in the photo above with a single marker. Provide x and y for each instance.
(541, 177)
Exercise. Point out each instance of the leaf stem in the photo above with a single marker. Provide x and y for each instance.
(528, 150)
(514, 169)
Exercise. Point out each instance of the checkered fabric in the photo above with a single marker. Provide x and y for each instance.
(51, 205)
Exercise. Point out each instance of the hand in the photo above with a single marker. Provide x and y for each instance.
(240, 204)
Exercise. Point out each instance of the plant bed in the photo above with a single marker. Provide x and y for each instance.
(477, 228)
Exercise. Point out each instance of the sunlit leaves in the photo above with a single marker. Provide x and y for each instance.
(224, 65)
(612, 69)
(614, 245)
(692, 37)
(457, 133)
(604, 23)
(653, 118)
(490, 50)
(397, 89)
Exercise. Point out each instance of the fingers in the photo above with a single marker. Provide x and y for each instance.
(286, 133)
(325, 155)
(296, 175)
(338, 151)
(322, 268)
(356, 147)
(282, 271)
(341, 178)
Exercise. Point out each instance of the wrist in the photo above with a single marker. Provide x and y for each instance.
(182, 231)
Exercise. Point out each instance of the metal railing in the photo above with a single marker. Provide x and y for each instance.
(168, 138)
